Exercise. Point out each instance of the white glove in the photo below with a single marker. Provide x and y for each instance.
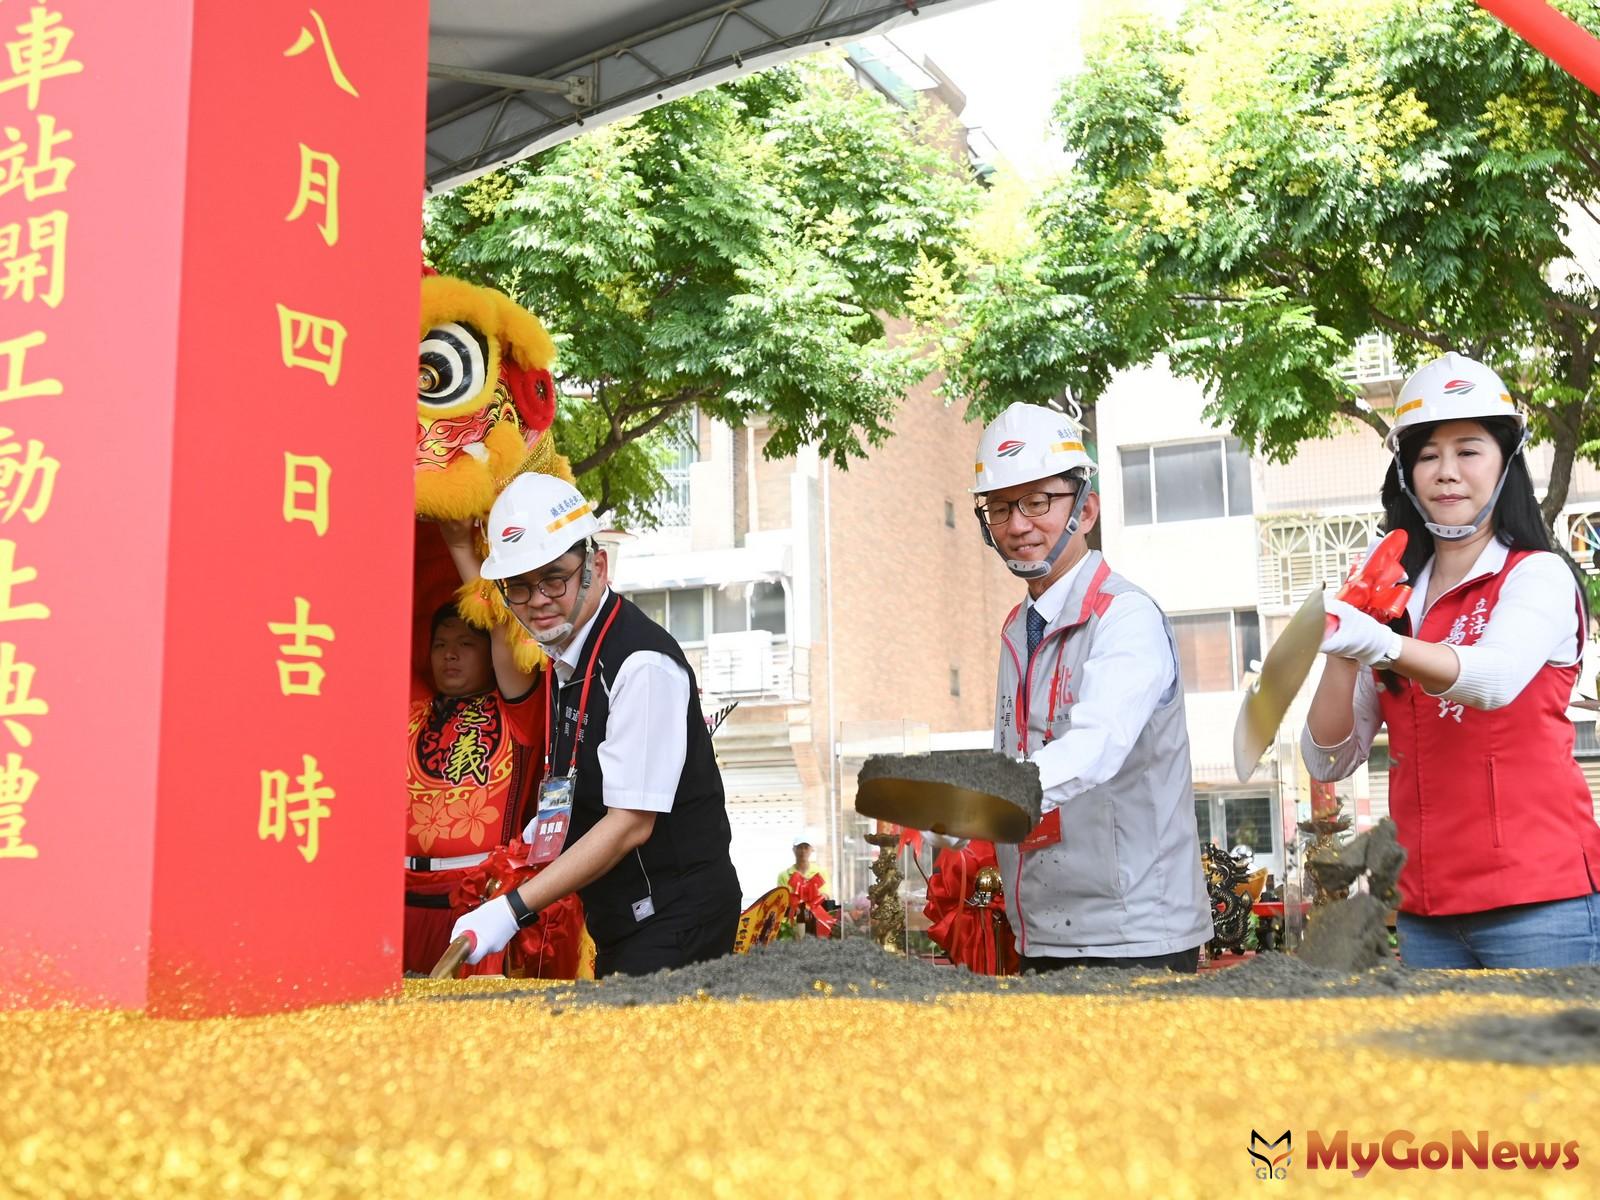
(491, 926)
(1359, 636)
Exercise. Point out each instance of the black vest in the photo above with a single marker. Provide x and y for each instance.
(685, 863)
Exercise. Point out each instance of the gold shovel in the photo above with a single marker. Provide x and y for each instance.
(1282, 674)
(456, 952)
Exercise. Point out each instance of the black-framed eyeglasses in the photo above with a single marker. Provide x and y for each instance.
(1034, 504)
(552, 587)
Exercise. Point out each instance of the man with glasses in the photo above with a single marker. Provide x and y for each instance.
(630, 797)
(1089, 691)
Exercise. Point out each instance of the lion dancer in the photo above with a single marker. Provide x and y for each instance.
(468, 765)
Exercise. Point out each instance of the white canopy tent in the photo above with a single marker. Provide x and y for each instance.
(508, 78)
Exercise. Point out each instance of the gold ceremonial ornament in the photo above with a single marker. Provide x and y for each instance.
(1282, 673)
(887, 915)
(987, 886)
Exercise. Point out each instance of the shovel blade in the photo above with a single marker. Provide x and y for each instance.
(450, 961)
(1283, 673)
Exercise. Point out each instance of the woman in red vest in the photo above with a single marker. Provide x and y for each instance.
(1503, 852)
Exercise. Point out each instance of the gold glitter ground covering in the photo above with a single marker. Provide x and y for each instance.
(969, 1096)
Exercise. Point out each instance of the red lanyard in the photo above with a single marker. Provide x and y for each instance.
(583, 700)
(1025, 691)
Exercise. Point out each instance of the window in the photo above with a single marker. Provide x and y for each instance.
(949, 514)
(682, 613)
(686, 614)
(1215, 649)
(766, 608)
(741, 606)
(1247, 821)
(681, 438)
(1229, 819)
(955, 681)
(653, 605)
(1190, 481)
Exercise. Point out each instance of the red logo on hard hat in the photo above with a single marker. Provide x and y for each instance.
(512, 533)
(1009, 449)
(1459, 387)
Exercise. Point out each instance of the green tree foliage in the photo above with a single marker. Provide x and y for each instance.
(1256, 186)
(736, 250)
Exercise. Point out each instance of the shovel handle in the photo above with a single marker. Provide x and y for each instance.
(454, 955)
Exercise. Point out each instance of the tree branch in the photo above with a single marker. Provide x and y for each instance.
(1394, 325)
(1557, 304)
(618, 437)
(1588, 159)
(1366, 416)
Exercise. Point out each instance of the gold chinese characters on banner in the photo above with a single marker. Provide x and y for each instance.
(315, 343)
(35, 170)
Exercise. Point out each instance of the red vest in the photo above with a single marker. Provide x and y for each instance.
(1491, 807)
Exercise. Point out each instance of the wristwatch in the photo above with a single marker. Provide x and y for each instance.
(1396, 644)
(525, 916)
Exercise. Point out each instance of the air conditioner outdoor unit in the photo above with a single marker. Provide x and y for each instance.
(738, 664)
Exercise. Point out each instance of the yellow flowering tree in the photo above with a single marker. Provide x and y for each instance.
(1257, 184)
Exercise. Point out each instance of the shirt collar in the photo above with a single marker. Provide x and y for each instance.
(566, 659)
(1049, 605)
(1491, 560)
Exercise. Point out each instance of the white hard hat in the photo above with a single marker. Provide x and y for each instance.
(1452, 387)
(536, 520)
(1029, 442)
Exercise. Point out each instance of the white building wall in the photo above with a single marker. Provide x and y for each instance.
(1188, 566)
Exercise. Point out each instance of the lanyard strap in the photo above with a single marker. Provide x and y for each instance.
(1025, 693)
(583, 700)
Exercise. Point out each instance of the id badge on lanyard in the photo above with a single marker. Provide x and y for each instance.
(553, 819)
(554, 816)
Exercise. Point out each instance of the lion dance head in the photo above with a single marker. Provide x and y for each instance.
(485, 404)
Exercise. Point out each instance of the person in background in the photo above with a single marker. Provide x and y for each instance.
(807, 884)
(469, 765)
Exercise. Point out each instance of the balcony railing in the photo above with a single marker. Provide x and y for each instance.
(1372, 361)
(752, 666)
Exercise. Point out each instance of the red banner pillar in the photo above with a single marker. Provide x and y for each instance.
(208, 302)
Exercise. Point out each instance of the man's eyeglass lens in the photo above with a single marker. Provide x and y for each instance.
(1035, 504)
(520, 591)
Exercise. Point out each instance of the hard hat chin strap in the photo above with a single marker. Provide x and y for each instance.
(1454, 533)
(1023, 569)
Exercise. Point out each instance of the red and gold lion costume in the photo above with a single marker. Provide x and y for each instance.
(485, 404)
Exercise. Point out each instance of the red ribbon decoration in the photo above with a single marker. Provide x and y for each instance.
(547, 949)
(909, 837)
(965, 931)
(807, 894)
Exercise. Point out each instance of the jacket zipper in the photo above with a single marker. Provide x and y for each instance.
(1494, 805)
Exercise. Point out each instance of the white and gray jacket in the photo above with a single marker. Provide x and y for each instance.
(1125, 880)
